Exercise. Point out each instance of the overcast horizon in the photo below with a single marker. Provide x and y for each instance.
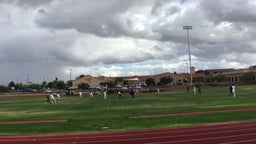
(43, 39)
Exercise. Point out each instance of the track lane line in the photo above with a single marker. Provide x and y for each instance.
(161, 137)
(144, 134)
(150, 133)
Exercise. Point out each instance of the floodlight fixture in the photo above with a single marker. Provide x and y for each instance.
(187, 28)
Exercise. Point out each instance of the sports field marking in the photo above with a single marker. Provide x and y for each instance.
(192, 113)
(234, 133)
(32, 122)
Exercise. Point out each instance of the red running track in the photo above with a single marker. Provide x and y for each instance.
(235, 133)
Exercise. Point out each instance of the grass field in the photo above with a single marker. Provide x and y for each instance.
(87, 115)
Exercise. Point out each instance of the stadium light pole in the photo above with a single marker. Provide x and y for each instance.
(187, 28)
(70, 74)
(187, 68)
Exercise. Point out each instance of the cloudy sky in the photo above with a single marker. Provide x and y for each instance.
(44, 39)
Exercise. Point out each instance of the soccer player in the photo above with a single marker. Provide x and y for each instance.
(80, 94)
(233, 90)
(52, 98)
(105, 94)
(119, 94)
(194, 89)
(132, 93)
(91, 94)
(58, 95)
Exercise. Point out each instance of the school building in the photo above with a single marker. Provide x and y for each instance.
(131, 80)
(230, 76)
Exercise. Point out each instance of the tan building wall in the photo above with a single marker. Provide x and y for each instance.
(92, 81)
(231, 75)
(193, 70)
(95, 81)
(236, 75)
(176, 78)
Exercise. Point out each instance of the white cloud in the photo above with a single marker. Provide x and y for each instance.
(117, 38)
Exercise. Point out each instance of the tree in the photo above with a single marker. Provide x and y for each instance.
(11, 84)
(150, 81)
(103, 83)
(70, 83)
(60, 85)
(166, 80)
(50, 85)
(108, 84)
(56, 79)
(83, 86)
(20, 86)
(125, 82)
(81, 76)
(248, 78)
(118, 80)
(35, 86)
(219, 78)
(3, 88)
(44, 84)
(199, 79)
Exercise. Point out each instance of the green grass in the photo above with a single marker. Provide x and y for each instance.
(87, 115)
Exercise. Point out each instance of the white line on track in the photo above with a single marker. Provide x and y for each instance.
(217, 135)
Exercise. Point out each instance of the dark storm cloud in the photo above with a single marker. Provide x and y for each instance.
(37, 46)
(111, 18)
(99, 17)
(231, 11)
(134, 57)
(158, 6)
(27, 3)
(106, 19)
(47, 37)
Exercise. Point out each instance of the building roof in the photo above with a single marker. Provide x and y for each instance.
(220, 70)
(187, 75)
(133, 79)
